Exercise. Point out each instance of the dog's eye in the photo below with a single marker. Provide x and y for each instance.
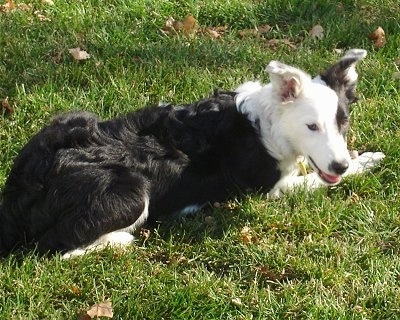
(313, 127)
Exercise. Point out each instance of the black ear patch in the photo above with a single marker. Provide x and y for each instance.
(342, 76)
(342, 120)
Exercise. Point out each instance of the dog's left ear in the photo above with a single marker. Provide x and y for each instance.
(288, 82)
(342, 76)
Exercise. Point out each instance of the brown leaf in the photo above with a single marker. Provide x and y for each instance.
(102, 309)
(79, 54)
(6, 105)
(317, 32)
(273, 44)
(258, 31)
(75, 290)
(189, 24)
(264, 28)
(379, 38)
(212, 33)
(247, 32)
(247, 235)
(8, 6)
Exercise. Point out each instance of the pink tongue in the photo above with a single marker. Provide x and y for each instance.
(329, 178)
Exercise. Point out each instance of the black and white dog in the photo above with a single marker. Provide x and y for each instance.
(82, 183)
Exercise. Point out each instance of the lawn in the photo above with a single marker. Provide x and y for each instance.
(329, 254)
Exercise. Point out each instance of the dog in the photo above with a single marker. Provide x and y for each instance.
(82, 183)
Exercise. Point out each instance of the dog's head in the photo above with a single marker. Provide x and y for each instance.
(314, 114)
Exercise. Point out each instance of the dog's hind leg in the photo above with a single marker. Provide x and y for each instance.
(96, 207)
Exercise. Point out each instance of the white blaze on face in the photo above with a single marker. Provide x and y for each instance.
(311, 127)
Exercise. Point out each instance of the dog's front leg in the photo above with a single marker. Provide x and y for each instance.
(310, 181)
(365, 162)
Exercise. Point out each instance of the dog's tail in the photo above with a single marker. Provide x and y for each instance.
(8, 233)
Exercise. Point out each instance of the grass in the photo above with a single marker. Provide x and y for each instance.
(330, 254)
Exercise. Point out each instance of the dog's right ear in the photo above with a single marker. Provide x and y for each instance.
(342, 76)
(288, 82)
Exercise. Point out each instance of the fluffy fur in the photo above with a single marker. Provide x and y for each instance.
(81, 182)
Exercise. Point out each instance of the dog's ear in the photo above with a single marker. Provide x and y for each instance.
(288, 82)
(342, 76)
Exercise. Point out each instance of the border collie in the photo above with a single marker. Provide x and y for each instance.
(82, 183)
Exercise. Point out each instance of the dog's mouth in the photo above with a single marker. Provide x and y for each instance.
(327, 178)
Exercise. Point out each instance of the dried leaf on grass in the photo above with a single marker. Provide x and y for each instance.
(11, 6)
(247, 235)
(102, 309)
(8, 6)
(79, 54)
(187, 26)
(317, 32)
(273, 44)
(6, 105)
(379, 37)
(258, 31)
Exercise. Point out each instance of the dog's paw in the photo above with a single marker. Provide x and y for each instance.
(364, 162)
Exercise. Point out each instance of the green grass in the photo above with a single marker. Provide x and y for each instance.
(330, 254)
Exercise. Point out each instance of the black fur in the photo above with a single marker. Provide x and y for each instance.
(81, 177)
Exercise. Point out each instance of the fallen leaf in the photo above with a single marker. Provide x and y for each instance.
(75, 290)
(6, 105)
(264, 28)
(212, 33)
(273, 44)
(49, 2)
(247, 32)
(189, 24)
(317, 32)
(102, 309)
(379, 38)
(269, 274)
(8, 6)
(79, 54)
(248, 236)
(258, 31)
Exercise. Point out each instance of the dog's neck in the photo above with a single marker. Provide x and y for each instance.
(256, 103)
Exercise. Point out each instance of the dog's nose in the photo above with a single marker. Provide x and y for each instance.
(339, 167)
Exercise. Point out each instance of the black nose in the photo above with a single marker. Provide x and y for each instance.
(339, 167)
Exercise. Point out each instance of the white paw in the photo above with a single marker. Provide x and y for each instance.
(73, 253)
(365, 162)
